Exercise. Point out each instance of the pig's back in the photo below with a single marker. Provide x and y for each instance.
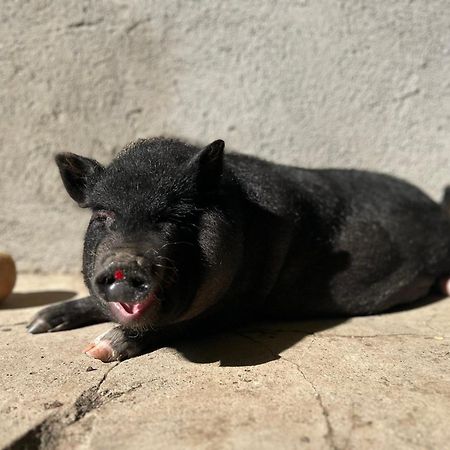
(359, 242)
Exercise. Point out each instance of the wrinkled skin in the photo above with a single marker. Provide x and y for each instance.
(183, 240)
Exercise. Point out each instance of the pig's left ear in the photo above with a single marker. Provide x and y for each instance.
(209, 164)
(78, 175)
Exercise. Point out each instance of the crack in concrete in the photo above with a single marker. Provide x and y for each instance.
(352, 336)
(430, 320)
(352, 427)
(48, 433)
(9, 325)
(372, 336)
(329, 436)
(261, 344)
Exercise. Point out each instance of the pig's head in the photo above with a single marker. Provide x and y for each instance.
(159, 248)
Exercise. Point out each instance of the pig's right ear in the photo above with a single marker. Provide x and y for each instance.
(78, 174)
(209, 164)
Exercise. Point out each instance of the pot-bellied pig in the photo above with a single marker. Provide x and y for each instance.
(185, 239)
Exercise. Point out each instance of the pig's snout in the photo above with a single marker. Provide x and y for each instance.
(123, 281)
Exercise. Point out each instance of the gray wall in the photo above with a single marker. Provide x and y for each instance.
(359, 83)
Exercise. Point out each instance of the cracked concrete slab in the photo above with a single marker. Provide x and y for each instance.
(370, 382)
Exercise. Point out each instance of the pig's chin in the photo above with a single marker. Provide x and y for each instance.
(131, 313)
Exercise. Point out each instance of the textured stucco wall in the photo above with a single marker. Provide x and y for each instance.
(309, 82)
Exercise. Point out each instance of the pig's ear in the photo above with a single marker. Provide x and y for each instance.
(78, 174)
(209, 164)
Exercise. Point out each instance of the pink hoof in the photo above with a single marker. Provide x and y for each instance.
(444, 284)
(101, 350)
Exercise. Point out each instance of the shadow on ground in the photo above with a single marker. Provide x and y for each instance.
(252, 345)
(433, 298)
(30, 299)
(263, 342)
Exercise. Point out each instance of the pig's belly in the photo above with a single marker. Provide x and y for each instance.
(367, 271)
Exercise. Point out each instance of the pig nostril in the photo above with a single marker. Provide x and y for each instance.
(138, 282)
(105, 280)
(123, 284)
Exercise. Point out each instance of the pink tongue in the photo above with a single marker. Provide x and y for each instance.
(133, 308)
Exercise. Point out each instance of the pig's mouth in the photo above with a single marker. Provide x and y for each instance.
(132, 311)
(129, 291)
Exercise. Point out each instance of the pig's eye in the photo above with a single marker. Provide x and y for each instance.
(103, 217)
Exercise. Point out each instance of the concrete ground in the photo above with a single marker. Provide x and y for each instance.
(380, 382)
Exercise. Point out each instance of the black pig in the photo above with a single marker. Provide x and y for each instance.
(185, 239)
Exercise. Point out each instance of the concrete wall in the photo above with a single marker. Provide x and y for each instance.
(309, 82)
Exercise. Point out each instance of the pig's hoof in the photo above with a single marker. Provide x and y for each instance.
(52, 318)
(445, 285)
(113, 345)
(102, 351)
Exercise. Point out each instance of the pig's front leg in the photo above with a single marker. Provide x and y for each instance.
(118, 344)
(67, 315)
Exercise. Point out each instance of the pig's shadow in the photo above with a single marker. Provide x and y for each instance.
(251, 345)
(39, 298)
(263, 342)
